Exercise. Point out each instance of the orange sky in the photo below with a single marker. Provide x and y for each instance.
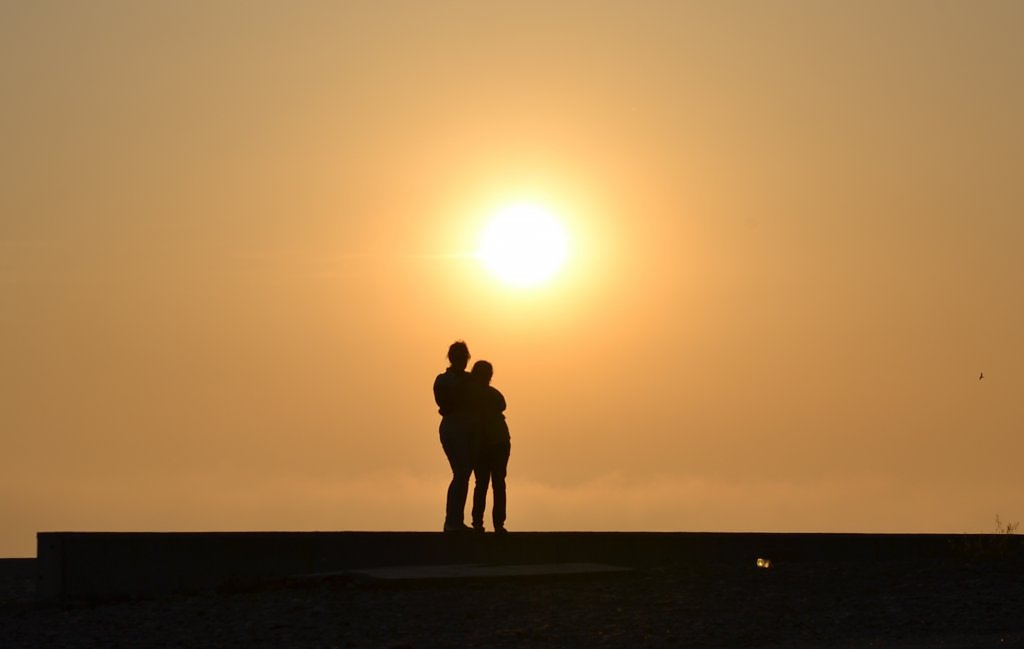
(235, 243)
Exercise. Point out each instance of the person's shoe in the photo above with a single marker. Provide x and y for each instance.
(478, 528)
(456, 528)
(500, 529)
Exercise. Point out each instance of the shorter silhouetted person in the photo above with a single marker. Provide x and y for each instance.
(455, 393)
(494, 450)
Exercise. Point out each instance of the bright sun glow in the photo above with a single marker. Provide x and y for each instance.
(524, 245)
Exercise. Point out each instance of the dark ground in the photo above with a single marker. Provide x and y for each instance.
(964, 603)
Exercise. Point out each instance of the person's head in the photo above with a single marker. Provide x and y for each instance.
(458, 355)
(483, 371)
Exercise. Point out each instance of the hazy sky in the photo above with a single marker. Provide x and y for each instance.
(236, 240)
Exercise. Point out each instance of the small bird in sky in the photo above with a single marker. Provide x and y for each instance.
(981, 376)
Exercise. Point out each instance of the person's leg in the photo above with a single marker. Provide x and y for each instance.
(458, 489)
(482, 473)
(499, 469)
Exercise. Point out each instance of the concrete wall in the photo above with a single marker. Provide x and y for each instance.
(88, 565)
(17, 579)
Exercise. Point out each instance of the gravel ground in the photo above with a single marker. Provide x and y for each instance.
(799, 605)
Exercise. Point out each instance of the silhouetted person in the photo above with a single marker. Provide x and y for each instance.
(495, 447)
(454, 392)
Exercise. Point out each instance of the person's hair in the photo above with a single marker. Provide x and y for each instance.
(483, 371)
(458, 354)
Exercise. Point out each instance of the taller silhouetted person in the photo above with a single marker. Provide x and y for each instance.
(493, 451)
(454, 392)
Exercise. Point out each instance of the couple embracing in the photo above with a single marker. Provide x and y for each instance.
(475, 438)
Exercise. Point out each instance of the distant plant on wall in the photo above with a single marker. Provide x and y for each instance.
(1002, 545)
(1008, 528)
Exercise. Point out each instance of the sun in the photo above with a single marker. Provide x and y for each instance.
(524, 245)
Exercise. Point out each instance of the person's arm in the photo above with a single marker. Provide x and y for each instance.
(442, 395)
